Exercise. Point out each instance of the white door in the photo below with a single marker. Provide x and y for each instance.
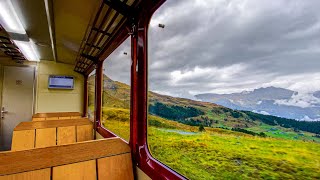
(17, 100)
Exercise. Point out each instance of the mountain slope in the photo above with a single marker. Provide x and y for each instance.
(196, 113)
(233, 143)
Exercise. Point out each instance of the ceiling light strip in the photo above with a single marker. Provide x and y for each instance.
(12, 24)
(50, 19)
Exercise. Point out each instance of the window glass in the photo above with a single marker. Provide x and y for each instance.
(116, 91)
(234, 88)
(91, 94)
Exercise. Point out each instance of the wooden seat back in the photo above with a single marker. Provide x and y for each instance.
(35, 134)
(56, 116)
(98, 159)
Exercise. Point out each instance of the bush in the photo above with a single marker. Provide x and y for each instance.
(201, 128)
(158, 124)
(236, 114)
(174, 112)
(261, 134)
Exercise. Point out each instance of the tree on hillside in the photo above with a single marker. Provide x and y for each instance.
(174, 112)
(201, 128)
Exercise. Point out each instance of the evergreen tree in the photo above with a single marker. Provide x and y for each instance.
(201, 128)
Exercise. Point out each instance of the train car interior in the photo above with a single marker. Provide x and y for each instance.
(156, 89)
(48, 50)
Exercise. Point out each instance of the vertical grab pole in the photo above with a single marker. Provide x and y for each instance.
(98, 98)
(133, 101)
(139, 97)
(85, 96)
(139, 89)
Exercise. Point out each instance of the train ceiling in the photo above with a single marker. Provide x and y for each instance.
(110, 19)
(78, 32)
(55, 27)
(8, 48)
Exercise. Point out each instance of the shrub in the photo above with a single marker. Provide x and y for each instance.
(201, 128)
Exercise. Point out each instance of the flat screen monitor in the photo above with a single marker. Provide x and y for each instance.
(60, 82)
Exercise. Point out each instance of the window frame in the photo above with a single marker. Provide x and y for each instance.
(139, 104)
(138, 97)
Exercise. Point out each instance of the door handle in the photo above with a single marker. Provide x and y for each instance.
(3, 112)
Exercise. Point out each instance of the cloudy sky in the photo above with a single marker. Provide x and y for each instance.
(225, 46)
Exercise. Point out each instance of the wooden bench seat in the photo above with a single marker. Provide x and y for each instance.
(56, 116)
(98, 159)
(35, 134)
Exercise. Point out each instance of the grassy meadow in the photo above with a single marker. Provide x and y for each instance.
(210, 155)
(219, 153)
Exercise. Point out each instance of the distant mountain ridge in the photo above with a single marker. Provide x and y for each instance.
(270, 100)
(116, 98)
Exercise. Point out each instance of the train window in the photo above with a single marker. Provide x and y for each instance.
(234, 88)
(91, 94)
(116, 91)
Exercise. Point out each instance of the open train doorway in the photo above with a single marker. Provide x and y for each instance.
(17, 100)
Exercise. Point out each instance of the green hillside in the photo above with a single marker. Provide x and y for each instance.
(232, 144)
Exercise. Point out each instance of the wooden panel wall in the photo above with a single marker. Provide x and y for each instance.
(42, 174)
(66, 135)
(115, 167)
(118, 167)
(82, 170)
(71, 158)
(22, 140)
(56, 116)
(28, 135)
(51, 124)
(84, 133)
(45, 137)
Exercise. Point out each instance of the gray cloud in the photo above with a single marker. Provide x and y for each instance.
(227, 46)
(118, 65)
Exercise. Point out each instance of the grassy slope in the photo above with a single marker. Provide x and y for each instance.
(222, 154)
(217, 153)
(227, 156)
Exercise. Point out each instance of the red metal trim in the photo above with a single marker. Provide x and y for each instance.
(114, 43)
(133, 99)
(139, 109)
(105, 132)
(98, 95)
(139, 98)
(85, 96)
(90, 68)
(117, 41)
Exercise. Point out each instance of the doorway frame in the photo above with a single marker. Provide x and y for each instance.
(34, 92)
